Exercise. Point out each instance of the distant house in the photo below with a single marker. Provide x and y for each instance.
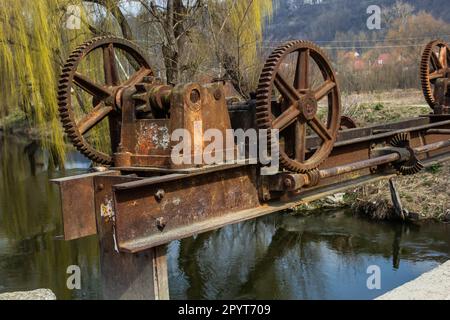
(353, 59)
(359, 65)
(383, 59)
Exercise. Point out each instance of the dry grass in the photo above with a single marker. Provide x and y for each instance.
(427, 193)
(382, 107)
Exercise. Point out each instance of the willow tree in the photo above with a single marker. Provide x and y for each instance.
(200, 34)
(237, 30)
(34, 41)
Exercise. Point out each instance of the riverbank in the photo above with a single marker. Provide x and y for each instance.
(16, 124)
(425, 194)
(39, 294)
(384, 107)
(433, 285)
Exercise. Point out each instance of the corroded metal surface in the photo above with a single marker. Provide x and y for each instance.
(104, 95)
(347, 123)
(153, 210)
(77, 203)
(299, 104)
(149, 200)
(434, 75)
(123, 275)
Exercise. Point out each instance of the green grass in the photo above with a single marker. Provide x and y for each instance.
(435, 168)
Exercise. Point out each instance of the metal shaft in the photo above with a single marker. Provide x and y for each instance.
(331, 172)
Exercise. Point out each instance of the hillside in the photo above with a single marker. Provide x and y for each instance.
(321, 21)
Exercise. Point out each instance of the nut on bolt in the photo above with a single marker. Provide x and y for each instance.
(159, 195)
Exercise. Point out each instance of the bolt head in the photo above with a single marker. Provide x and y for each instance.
(160, 223)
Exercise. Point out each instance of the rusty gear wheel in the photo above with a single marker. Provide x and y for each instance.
(434, 65)
(299, 104)
(104, 96)
(412, 165)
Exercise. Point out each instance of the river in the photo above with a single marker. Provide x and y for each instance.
(280, 256)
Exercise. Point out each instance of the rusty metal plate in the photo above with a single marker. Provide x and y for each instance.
(152, 137)
(77, 203)
(148, 215)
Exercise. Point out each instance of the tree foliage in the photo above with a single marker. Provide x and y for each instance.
(35, 42)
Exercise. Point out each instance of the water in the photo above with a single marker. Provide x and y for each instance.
(275, 257)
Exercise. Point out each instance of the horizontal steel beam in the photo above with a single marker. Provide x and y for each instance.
(232, 217)
(154, 206)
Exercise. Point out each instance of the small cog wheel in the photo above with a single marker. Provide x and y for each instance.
(412, 165)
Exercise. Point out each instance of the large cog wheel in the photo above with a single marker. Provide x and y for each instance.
(299, 104)
(104, 95)
(434, 65)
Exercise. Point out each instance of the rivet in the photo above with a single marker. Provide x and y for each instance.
(160, 223)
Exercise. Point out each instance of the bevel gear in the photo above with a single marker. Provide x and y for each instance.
(410, 166)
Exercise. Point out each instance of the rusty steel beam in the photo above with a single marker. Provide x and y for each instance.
(196, 226)
(154, 211)
(77, 203)
(144, 210)
(439, 131)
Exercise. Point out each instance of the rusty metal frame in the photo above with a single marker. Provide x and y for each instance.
(147, 200)
(173, 204)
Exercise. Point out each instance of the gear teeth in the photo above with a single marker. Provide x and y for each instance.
(65, 84)
(413, 165)
(425, 71)
(264, 100)
(401, 140)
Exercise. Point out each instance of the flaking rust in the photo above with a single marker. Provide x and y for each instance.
(107, 210)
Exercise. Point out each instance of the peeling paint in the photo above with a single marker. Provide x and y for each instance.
(106, 210)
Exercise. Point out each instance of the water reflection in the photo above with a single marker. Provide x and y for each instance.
(318, 257)
(30, 255)
(275, 257)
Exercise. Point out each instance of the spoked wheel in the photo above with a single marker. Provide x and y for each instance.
(300, 76)
(89, 101)
(435, 65)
